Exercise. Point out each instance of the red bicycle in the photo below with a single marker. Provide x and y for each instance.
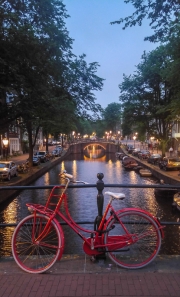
(131, 237)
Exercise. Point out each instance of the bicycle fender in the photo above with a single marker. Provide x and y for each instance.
(62, 238)
(141, 211)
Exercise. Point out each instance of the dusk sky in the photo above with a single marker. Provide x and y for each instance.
(116, 50)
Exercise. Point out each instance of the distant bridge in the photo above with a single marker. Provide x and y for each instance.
(80, 147)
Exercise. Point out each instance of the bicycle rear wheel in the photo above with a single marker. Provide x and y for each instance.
(145, 243)
(31, 255)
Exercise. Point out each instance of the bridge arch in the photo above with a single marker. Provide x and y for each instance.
(79, 147)
(95, 143)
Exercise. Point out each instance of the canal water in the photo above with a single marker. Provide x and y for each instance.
(83, 202)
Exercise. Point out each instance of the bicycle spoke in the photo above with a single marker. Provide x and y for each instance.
(144, 242)
(30, 254)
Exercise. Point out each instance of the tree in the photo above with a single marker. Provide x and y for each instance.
(112, 116)
(35, 47)
(82, 81)
(38, 66)
(163, 16)
(146, 95)
(164, 20)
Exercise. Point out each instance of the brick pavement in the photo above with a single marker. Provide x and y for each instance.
(126, 284)
(77, 276)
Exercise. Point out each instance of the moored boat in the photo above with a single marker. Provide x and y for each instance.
(129, 163)
(145, 172)
(120, 155)
(176, 201)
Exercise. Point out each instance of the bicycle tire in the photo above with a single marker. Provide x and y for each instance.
(35, 257)
(143, 251)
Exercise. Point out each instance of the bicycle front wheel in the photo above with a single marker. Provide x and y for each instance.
(140, 238)
(35, 255)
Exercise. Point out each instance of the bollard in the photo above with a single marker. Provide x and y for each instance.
(100, 199)
(100, 202)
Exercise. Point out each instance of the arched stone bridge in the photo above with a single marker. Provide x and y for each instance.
(80, 147)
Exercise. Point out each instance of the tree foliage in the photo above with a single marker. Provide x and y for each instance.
(50, 84)
(163, 15)
(82, 81)
(147, 95)
(112, 116)
(152, 93)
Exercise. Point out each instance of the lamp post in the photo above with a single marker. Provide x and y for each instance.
(73, 135)
(5, 143)
(152, 143)
(134, 137)
(157, 145)
(107, 136)
(119, 136)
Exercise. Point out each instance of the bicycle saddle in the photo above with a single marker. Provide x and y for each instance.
(120, 196)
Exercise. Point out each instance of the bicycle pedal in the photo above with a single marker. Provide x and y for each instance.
(93, 259)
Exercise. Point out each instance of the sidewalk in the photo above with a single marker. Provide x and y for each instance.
(76, 275)
(22, 158)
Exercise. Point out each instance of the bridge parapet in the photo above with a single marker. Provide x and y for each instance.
(79, 147)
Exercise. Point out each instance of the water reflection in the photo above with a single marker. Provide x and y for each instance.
(83, 202)
(94, 151)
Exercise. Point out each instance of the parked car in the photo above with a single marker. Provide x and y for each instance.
(154, 158)
(143, 154)
(56, 153)
(58, 147)
(7, 170)
(135, 152)
(50, 143)
(130, 149)
(128, 146)
(170, 163)
(54, 142)
(42, 155)
(36, 160)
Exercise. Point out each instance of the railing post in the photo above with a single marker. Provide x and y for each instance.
(100, 199)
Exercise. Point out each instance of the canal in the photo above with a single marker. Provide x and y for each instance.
(83, 202)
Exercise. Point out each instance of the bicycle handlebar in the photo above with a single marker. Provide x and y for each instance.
(70, 178)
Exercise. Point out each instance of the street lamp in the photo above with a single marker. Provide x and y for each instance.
(5, 143)
(157, 145)
(134, 137)
(107, 135)
(73, 135)
(152, 143)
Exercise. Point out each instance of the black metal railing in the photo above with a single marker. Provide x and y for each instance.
(100, 198)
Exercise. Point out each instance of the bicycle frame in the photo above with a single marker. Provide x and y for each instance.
(93, 245)
(131, 237)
